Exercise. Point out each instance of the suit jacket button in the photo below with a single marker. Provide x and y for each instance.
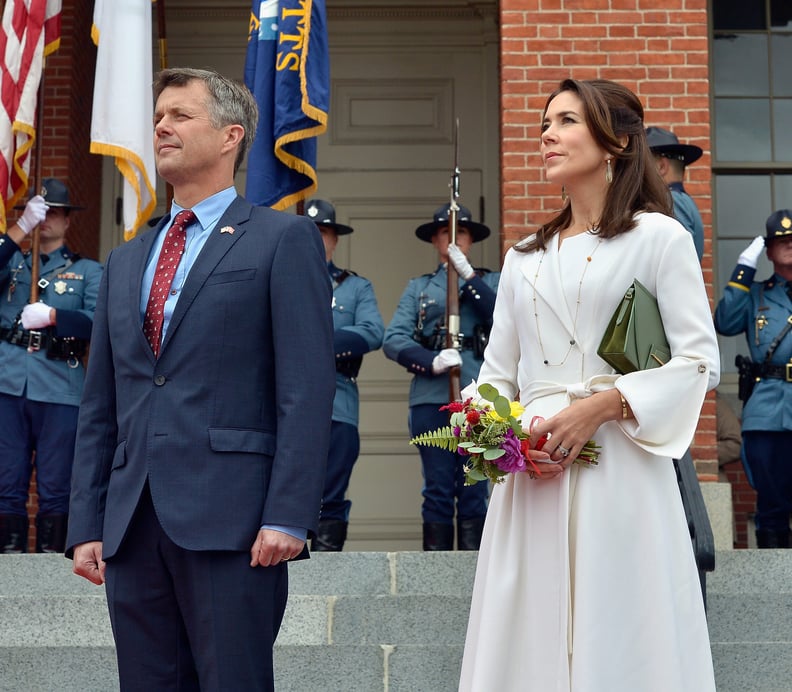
(159, 380)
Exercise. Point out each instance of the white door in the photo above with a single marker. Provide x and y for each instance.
(400, 79)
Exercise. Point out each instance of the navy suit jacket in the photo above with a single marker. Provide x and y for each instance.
(231, 424)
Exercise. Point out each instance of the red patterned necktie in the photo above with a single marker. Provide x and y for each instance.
(169, 258)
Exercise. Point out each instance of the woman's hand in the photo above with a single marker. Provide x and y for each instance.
(571, 428)
(543, 468)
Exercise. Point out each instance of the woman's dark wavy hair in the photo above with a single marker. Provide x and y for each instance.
(612, 111)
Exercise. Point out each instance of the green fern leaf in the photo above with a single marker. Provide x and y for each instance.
(443, 438)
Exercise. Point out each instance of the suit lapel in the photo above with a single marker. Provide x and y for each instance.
(217, 245)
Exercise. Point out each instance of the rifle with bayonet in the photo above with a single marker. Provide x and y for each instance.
(452, 291)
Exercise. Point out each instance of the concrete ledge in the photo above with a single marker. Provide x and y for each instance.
(718, 500)
(368, 622)
(753, 666)
(58, 669)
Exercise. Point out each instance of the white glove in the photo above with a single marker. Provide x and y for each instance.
(445, 360)
(460, 262)
(36, 316)
(35, 212)
(750, 256)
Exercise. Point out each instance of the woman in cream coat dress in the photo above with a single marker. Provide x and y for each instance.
(586, 579)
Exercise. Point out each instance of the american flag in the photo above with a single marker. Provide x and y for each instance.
(31, 30)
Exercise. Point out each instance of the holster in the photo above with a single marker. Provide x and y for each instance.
(747, 372)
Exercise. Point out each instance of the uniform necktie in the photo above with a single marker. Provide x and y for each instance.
(168, 261)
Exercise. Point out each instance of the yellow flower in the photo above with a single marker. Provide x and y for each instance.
(517, 409)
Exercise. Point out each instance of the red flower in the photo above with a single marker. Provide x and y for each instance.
(473, 417)
(455, 406)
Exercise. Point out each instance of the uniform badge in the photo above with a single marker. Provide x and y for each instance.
(227, 229)
(313, 210)
(786, 223)
(60, 287)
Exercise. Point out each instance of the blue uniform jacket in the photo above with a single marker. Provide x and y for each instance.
(687, 213)
(358, 329)
(423, 305)
(72, 291)
(760, 309)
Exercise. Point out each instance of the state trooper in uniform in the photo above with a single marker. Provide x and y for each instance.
(41, 371)
(358, 329)
(672, 158)
(763, 311)
(415, 339)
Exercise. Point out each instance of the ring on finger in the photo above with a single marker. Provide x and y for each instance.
(564, 451)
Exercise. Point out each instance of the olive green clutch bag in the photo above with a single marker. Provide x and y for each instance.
(635, 338)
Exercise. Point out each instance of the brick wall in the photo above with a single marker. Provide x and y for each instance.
(744, 504)
(65, 141)
(659, 49)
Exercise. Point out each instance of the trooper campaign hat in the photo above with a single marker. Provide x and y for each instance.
(666, 143)
(322, 213)
(779, 225)
(478, 231)
(55, 194)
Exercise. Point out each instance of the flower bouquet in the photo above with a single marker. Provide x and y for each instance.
(489, 433)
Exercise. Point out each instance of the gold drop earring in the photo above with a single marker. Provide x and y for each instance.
(563, 194)
(608, 172)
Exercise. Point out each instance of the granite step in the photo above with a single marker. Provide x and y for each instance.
(370, 621)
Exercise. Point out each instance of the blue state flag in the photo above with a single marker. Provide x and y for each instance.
(288, 70)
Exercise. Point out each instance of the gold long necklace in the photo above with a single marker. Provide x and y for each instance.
(573, 340)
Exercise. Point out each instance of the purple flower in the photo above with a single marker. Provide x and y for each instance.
(457, 431)
(513, 460)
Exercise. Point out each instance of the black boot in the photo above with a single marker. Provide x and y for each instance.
(765, 538)
(330, 536)
(51, 533)
(437, 536)
(469, 533)
(13, 534)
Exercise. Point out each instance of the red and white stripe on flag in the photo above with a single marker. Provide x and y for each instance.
(30, 31)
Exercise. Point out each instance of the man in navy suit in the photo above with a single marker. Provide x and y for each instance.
(194, 479)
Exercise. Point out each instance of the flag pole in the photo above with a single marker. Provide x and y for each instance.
(35, 239)
(162, 42)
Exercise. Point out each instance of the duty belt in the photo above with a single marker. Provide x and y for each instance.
(67, 348)
(777, 372)
(33, 339)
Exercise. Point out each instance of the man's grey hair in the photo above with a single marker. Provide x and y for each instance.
(230, 102)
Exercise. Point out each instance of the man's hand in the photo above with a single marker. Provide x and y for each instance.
(35, 212)
(750, 256)
(445, 360)
(272, 547)
(36, 316)
(460, 262)
(88, 562)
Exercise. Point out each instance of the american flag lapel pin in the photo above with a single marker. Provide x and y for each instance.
(227, 229)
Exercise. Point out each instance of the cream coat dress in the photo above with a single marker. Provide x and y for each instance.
(588, 583)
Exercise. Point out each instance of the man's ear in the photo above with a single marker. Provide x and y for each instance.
(234, 134)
